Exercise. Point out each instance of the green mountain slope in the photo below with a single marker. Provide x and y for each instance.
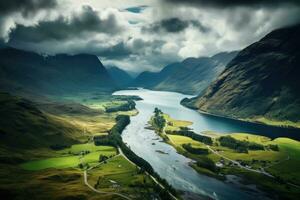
(60, 74)
(24, 126)
(193, 75)
(261, 82)
(190, 76)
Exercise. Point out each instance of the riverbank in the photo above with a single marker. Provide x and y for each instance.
(260, 165)
(259, 121)
(174, 167)
(255, 120)
(114, 138)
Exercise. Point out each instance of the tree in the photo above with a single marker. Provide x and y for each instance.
(102, 158)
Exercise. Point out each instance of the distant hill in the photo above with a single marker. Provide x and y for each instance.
(61, 74)
(120, 77)
(190, 76)
(261, 82)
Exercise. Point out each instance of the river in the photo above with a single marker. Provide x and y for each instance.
(174, 167)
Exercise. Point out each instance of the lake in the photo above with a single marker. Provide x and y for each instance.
(174, 167)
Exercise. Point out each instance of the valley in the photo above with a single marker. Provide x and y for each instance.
(65, 161)
(254, 167)
(158, 101)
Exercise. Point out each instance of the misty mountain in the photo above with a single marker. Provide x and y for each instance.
(27, 71)
(120, 77)
(261, 81)
(190, 76)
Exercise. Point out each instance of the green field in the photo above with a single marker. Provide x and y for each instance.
(124, 174)
(70, 158)
(272, 122)
(179, 140)
(174, 124)
(289, 169)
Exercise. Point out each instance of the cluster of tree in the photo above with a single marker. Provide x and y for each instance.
(158, 120)
(239, 146)
(207, 163)
(188, 133)
(85, 152)
(57, 147)
(114, 139)
(102, 158)
(189, 148)
(273, 147)
(83, 165)
(130, 105)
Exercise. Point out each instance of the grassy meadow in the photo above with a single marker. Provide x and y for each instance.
(56, 137)
(71, 157)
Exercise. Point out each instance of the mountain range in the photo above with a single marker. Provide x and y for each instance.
(60, 74)
(191, 76)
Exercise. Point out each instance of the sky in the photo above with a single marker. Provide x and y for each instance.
(138, 35)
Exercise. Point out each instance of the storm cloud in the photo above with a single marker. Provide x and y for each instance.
(174, 25)
(25, 6)
(234, 3)
(78, 24)
(139, 36)
(13, 9)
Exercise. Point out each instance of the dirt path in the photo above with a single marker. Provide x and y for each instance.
(101, 192)
(85, 177)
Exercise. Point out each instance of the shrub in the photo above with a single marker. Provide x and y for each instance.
(189, 148)
(239, 146)
(207, 163)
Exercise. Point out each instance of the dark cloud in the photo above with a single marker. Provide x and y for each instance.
(232, 3)
(174, 25)
(137, 9)
(25, 6)
(200, 26)
(77, 25)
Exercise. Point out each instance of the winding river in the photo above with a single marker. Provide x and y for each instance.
(174, 167)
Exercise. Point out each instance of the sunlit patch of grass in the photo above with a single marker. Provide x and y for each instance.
(282, 123)
(251, 138)
(58, 163)
(123, 173)
(288, 169)
(180, 140)
(73, 159)
(174, 124)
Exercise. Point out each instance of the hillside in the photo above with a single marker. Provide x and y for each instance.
(60, 74)
(261, 82)
(120, 77)
(24, 126)
(190, 76)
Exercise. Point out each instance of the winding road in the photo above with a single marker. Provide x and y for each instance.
(239, 164)
(85, 175)
(101, 192)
